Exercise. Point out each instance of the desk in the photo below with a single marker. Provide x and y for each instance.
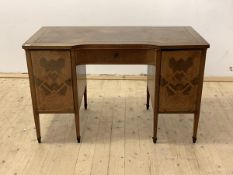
(57, 59)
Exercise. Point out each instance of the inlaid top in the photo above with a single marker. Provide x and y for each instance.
(161, 37)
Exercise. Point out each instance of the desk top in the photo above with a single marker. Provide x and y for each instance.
(92, 37)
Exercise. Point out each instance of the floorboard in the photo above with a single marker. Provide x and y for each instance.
(116, 132)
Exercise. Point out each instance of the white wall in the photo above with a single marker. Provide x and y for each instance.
(213, 19)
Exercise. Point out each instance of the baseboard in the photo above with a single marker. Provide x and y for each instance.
(218, 79)
(120, 77)
(13, 75)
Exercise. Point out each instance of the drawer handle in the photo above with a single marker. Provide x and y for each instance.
(116, 55)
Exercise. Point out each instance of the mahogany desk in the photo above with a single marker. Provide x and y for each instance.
(57, 58)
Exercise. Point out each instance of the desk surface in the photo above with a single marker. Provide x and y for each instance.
(160, 37)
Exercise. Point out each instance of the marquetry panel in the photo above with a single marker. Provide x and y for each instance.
(179, 80)
(52, 79)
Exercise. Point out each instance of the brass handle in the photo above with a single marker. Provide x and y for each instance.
(115, 55)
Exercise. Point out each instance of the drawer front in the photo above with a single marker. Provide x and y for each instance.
(53, 80)
(115, 56)
(179, 80)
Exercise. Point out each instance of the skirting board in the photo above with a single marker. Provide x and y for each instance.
(119, 77)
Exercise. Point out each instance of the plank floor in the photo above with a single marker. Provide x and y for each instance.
(116, 134)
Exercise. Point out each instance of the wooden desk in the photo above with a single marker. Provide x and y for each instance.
(57, 58)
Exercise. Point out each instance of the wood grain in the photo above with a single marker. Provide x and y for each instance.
(59, 56)
(92, 37)
(53, 81)
(115, 56)
(179, 80)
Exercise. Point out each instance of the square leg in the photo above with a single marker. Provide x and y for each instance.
(147, 99)
(155, 127)
(37, 125)
(77, 125)
(195, 126)
(85, 98)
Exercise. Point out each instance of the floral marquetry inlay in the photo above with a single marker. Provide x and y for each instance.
(179, 80)
(54, 81)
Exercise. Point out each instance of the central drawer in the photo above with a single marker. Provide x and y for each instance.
(115, 56)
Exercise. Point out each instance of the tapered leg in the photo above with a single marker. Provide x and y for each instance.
(37, 124)
(155, 126)
(195, 126)
(147, 99)
(85, 98)
(77, 127)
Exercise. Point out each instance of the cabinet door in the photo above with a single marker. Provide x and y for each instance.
(53, 80)
(179, 80)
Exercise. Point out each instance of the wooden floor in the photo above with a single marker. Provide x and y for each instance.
(116, 134)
